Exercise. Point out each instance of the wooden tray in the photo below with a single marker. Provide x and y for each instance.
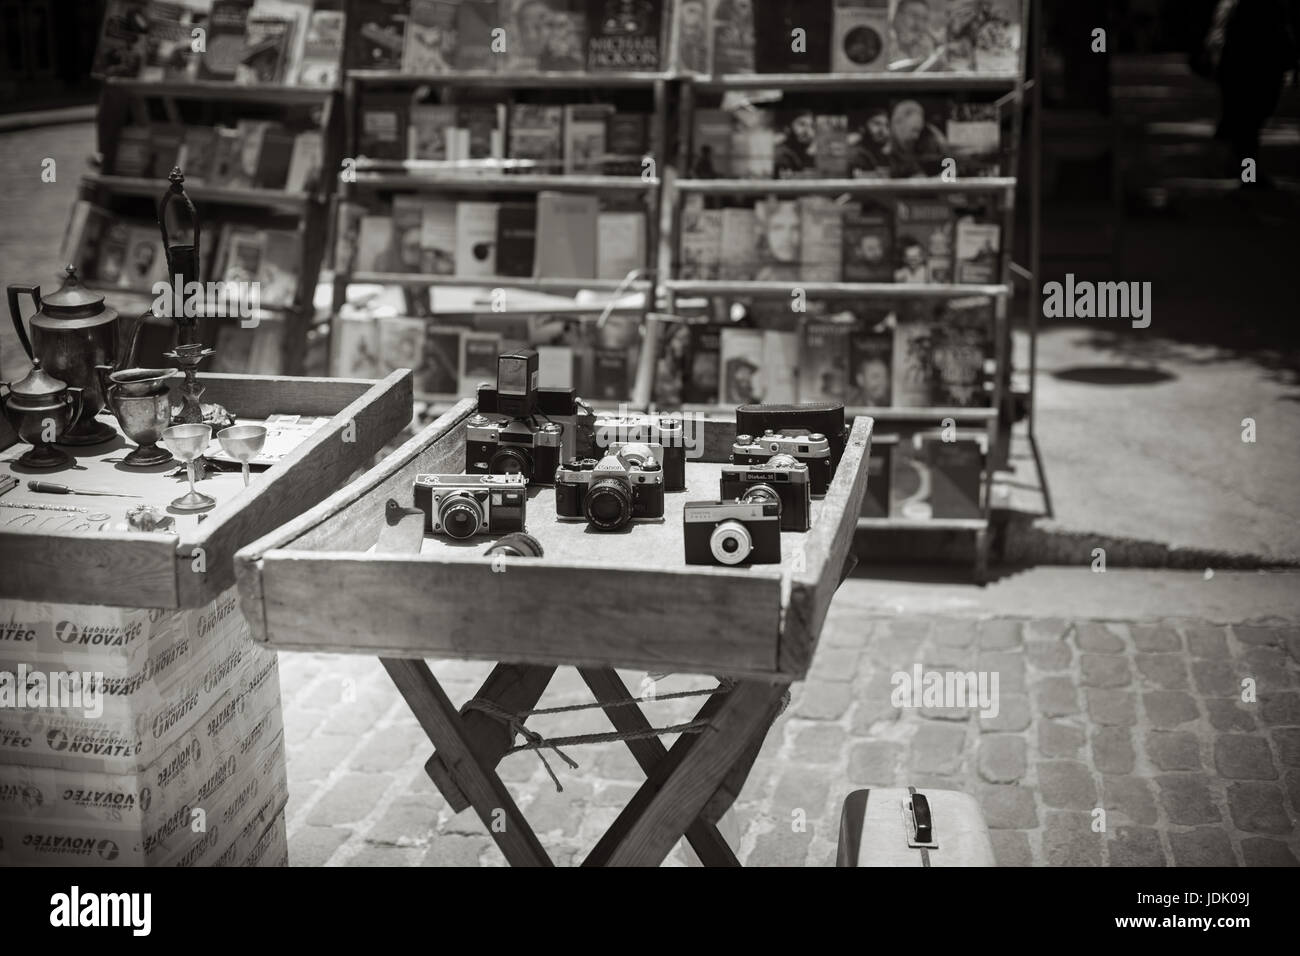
(135, 569)
(625, 600)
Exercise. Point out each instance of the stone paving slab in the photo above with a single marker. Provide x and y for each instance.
(1115, 743)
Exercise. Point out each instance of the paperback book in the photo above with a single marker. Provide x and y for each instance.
(476, 238)
(623, 36)
(585, 126)
(702, 383)
(701, 249)
(440, 366)
(742, 366)
(428, 131)
(227, 37)
(859, 36)
(536, 135)
(870, 364)
(820, 239)
(823, 362)
(322, 51)
(379, 35)
(121, 48)
(868, 244)
(733, 36)
(923, 241)
(430, 37)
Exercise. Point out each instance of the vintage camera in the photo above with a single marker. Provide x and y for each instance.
(825, 418)
(732, 532)
(609, 493)
(809, 448)
(666, 433)
(506, 446)
(461, 506)
(780, 479)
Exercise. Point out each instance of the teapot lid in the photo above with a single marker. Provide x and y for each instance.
(38, 384)
(73, 297)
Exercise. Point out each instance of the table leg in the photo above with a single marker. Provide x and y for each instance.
(481, 785)
(608, 688)
(683, 782)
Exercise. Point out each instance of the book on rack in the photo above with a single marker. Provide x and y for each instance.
(871, 351)
(626, 144)
(868, 244)
(611, 373)
(305, 162)
(820, 239)
(585, 126)
(476, 238)
(110, 261)
(742, 366)
(831, 146)
(122, 39)
(917, 143)
(516, 238)
(166, 149)
(375, 244)
(197, 154)
(672, 364)
(566, 235)
(693, 35)
(408, 233)
(401, 342)
(280, 267)
(565, 46)
(780, 366)
(427, 130)
(356, 346)
(145, 261)
(536, 134)
(438, 237)
(711, 149)
(274, 158)
(383, 124)
(917, 32)
(485, 123)
(347, 230)
(868, 142)
(478, 360)
(703, 377)
(941, 353)
(377, 38)
(859, 36)
(738, 244)
(322, 50)
(268, 48)
(793, 154)
(430, 40)
(134, 151)
(243, 258)
(475, 21)
(169, 53)
(793, 36)
(934, 478)
(234, 349)
(923, 240)
(733, 36)
(620, 243)
(752, 147)
(973, 132)
(978, 249)
(778, 249)
(983, 37)
(823, 362)
(623, 36)
(701, 239)
(227, 37)
(439, 369)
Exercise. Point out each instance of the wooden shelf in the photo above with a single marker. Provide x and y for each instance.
(484, 78)
(975, 184)
(493, 282)
(234, 196)
(902, 414)
(498, 183)
(922, 524)
(831, 290)
(220, 90)
(857, 81)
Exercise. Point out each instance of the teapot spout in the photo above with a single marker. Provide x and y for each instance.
(126, 358)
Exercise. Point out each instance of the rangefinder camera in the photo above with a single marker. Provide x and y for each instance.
(780, 479)
(810, 448)
(665, 433)
(461, 506)
(504, 446)
(620, 487)
(732, 532)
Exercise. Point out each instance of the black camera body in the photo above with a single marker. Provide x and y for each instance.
(825, 418)
(810, 448)
(563, 402)
(504, 446)
(732, 532)
(462, 506)
(667, 433)
(611, 492)
(780, 479)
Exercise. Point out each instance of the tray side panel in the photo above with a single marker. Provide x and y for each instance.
(316, 468)
(418, 607)
(257, 396)
(135, 570)
(825, 551)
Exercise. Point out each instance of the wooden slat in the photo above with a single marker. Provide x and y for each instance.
(425, 607)
(314, 469)
(824, 552)
(682, 783)
(486, 792)
(734, 782)
(515, 687)
(121, 568)
(608, 688)
(257, 396)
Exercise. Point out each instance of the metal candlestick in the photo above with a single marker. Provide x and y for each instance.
(187, 359)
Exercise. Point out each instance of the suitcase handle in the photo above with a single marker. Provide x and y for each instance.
(923, 829)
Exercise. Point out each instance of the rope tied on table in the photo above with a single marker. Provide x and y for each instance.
(534, 741)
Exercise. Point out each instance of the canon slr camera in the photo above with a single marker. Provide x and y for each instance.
(461, 506)
(664, 433)
(627, 484)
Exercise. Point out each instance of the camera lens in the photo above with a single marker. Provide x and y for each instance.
(730, 542)
(520, 544)
(608, 504)
(460, 516)
(511, 460)
(760, 493)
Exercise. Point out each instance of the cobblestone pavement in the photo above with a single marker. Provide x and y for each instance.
(1144, 721)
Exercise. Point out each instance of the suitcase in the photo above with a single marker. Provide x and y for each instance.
(904, 826)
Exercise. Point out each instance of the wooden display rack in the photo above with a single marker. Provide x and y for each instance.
(157, 570)
(594, 601)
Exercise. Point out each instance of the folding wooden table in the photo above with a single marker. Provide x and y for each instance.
(594, 601)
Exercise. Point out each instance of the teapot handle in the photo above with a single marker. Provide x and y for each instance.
(13, 292)
(75, 396)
